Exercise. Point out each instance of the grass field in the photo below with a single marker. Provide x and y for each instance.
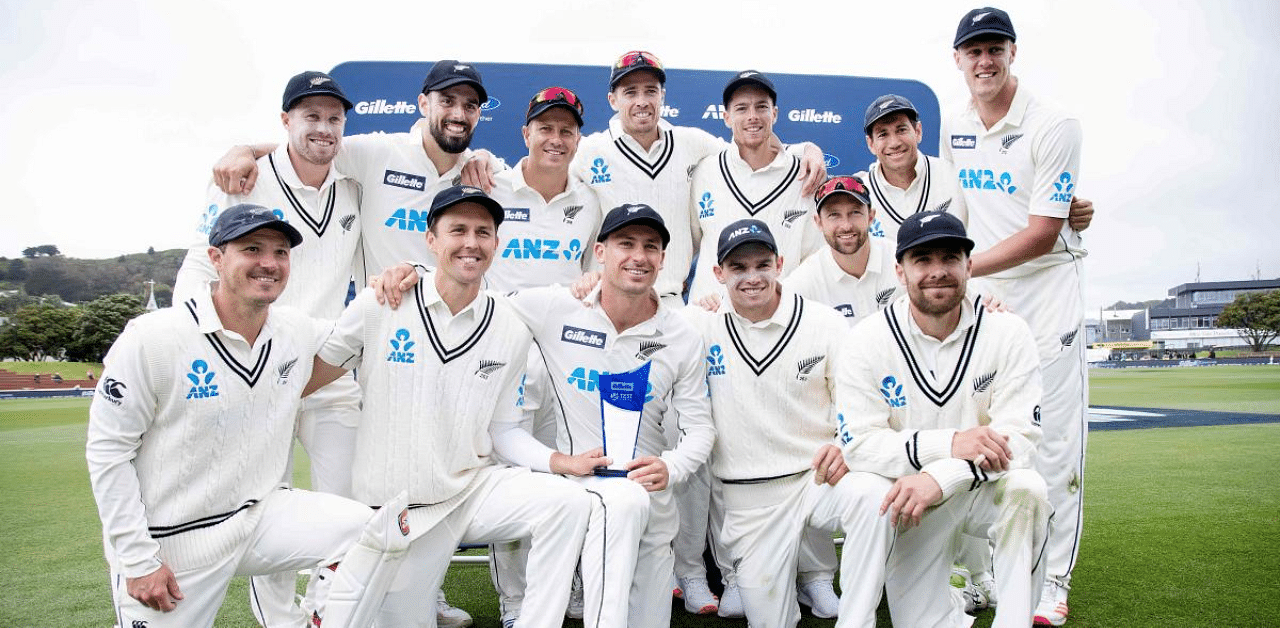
(1225, 388)
(68, 369)
(1183, 523)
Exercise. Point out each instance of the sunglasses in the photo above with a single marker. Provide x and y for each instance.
(841, 184)
(557, 95)
(637, 57)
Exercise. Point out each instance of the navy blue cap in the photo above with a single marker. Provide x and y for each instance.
(633, 214)
(458, 194)
(925, 227)
(312, 84)
(238, 221)
(984, 21)
(742, 232)
(749, 77)
(449, 72)
(886, 105)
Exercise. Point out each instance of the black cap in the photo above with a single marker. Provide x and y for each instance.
(742, 232)
(633, 214)
(312, 84)
(554, 97)
(984, 21)
(924, 227)
(843, 184)
(749, 77)
(457, 194)
(238, 221)
(636, 60)
(449, 72)
(885, 105)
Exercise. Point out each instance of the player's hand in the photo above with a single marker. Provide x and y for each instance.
(237, 171)
(584, 285)
(1081, 213)
(828, 465)
(986, 447)
(710, 303)
(650, 472)
(993, 304)
(157, 590)
(909, 497)
(478, 171)
(389, 287)
(813, 169)
(581, 464)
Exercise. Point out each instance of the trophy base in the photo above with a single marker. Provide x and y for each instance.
(606, 472)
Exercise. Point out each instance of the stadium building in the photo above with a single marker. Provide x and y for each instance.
(1191, 323)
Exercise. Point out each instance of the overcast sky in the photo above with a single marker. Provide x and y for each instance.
(113, 111)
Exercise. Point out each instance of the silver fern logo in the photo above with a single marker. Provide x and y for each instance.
(882, 297)
(284, 370)
(981, 384)
(804, 368)
(648, 348)
(347, 222)
(487, 367)
(789, 217)
(571, 212)
(1068, 338)
(943, 206)
(1008, 140)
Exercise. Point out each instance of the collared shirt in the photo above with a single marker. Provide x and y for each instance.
(821, 279)
(934, 188)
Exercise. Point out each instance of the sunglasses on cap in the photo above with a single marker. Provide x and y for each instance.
(636, 57)
(841, 184)
(557, 95)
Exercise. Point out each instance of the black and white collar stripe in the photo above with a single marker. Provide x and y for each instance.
(754, 207)
(651, 169)
(160, 532)
(317, 226)
(447, 354)
(938, 397)
(249, 375)
(759, 365)
(894, 213)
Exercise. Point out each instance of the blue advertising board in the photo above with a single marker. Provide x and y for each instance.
(826, 110)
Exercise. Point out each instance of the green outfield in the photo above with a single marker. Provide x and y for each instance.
(1182, 523)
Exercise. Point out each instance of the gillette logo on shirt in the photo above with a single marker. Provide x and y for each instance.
(585, 337)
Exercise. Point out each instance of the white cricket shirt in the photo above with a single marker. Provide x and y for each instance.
(821, 279)
(934, 189)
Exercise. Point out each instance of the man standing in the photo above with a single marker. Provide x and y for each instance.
(1018, 163)
(441, 380)
(190, 433)
(772, 357)
(944, 396)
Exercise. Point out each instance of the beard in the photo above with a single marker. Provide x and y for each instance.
(449, 144)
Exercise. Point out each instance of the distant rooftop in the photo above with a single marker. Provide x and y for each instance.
(1252, 284)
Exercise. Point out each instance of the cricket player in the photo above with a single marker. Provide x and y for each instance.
(772, 356)
(441, 380)
(190, 433)
(304, 190)
(944, 397)
(400, 174)
(1018, 163)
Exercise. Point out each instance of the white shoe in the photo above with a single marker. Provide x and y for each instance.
(1052, 610)
(698, 598)
(450, 617)
(972, 598)
(986, 584)
(731, 602)
(574, 610)
(820, 596)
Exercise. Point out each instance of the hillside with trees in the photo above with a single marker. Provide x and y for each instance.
(75, 281)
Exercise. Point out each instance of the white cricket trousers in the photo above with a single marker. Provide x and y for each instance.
(297, 529)
(1013, 512)
(763, 526)
(1052, 303)
(511, 503)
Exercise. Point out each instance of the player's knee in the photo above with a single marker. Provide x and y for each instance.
(1023, 489)
(627, 499)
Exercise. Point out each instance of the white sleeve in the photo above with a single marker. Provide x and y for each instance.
(510, 440)
(123, 409)
(344, 345)
(692, 406)
(703, 144)
(361, 155)
(1057, 160)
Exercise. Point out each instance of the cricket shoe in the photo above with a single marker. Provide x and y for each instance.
(972, 598)
(698, 598)
(450, 617)
(986, 584)
(731, 602)
(1052, 610)
(820, 596)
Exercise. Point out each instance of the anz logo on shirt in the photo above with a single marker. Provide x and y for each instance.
(892, 392)
(1062, 189)
(706, 206)
(978, 179)
(600, 171)
(537, 248)
(588, 380)
(715, 361)
(408, 219)
(400, 348)
(202, 386)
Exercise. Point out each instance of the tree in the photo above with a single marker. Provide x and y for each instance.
(101, 321)
(39, 330)
(1255, 316)
(17, 270)
(49, 250)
